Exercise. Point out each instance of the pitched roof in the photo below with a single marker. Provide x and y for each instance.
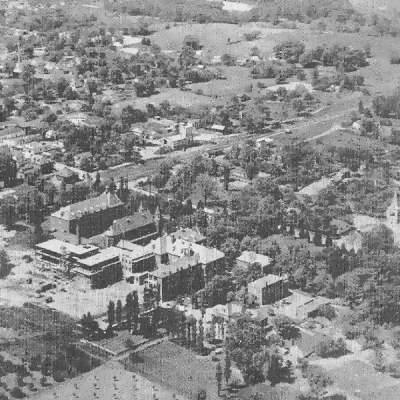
(105, 381)
(130, 223)
(268, 280)
(95, 204)
(191, 235)
(181, 248)
(252, 257)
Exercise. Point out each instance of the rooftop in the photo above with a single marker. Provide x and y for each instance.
(58, 246)
(130, 223)
(101, 256)
(184, 263)
(191, 235)
(251, 257)
(178, 247)
(315, 187)
(268, 280)
(105, 381)
(135, 250)
(92, 205)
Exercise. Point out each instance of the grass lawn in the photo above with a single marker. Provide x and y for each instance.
(361, 379)
(177, 368)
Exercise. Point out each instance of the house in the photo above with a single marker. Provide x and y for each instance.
(29, 173)
(65, 177)
(91, 266)
(183, 139)
(315, 188)
(218, 128)
(81, 157)
(248, 258)
(168, 250)
(269, 289)
(44, 162)
(299, 306)
(87, 218)
(190, 235)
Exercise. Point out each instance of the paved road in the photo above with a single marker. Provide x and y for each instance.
(320, 123)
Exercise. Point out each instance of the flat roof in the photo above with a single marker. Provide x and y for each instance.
(101, 256)
(58, 246)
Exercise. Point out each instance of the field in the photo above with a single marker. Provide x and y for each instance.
(176, 368)
(75, 301)
(366, 383)
(177, 97)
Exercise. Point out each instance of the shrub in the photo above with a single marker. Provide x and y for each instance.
(331, 348)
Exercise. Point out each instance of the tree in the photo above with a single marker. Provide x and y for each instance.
(200, 337)
(331, 348)
(326, 311)
(286, 327)
(378, 239)
(118, 312)
(5, 264)
(361, 107)
(228, 367)
(8, 167)
(318, 379)
(218, 377)
(298, 105)
(202, 395)
(206, 186)
(28, 80)
(111, 313)
(89, 324)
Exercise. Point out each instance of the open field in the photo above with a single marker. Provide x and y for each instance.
(365, 382)
(75, 302)
(178, 97)
(176, 368)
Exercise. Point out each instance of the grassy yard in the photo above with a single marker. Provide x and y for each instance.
(176, 368)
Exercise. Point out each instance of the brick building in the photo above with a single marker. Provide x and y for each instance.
(87, 218)
(181, 277)
(167, 250)
(93, 267)
(269, 289)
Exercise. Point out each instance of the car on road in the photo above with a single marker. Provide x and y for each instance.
(288, 131)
